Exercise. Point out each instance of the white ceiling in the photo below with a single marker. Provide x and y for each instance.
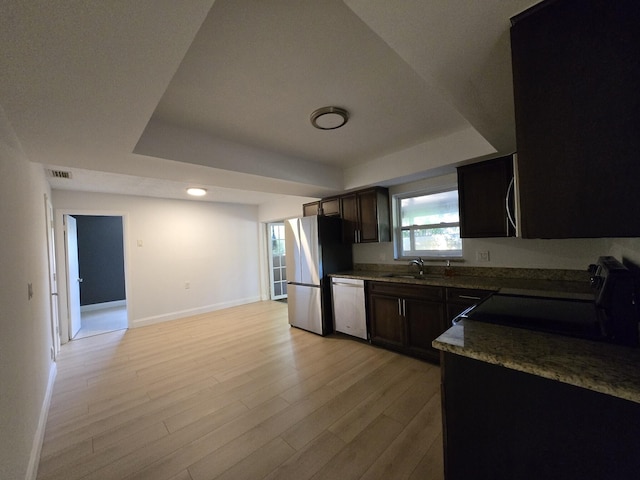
(148, 97)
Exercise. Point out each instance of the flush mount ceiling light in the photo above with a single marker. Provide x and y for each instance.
(196, 191)
(329, 118)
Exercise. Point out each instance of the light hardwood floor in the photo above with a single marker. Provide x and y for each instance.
(238, 394)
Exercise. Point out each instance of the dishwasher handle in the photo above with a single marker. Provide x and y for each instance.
(344, 284)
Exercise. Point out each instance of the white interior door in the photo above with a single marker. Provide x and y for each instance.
(73, 274)
(53, 278)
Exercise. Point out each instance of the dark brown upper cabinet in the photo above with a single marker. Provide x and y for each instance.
(311, 208)
(484, 191)
(329, 207)
(576, 77)
(366, 216)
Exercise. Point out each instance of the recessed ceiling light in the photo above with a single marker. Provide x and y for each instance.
(196, 191)
(329, 118)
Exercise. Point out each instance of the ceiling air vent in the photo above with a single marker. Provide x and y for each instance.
(59, 174)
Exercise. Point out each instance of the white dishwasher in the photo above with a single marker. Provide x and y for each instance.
(349, 314)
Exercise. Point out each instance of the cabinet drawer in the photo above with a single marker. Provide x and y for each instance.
(459, 299)
(407, 290)
(467, 296)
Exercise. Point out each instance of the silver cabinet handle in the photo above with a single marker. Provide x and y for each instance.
(509, 215)
(400, 306)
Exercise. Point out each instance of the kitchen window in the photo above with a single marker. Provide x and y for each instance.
(427, 225)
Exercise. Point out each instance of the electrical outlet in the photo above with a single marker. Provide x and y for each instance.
(482, 256)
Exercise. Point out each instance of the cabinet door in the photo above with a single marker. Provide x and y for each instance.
(349, 209)
(368, 209)
(309, 209)
(576, 75)
(425, 322)
(373, 215)
(386, 321)
(482, 192)
(330, 207)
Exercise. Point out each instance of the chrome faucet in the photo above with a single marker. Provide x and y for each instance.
(419, 262)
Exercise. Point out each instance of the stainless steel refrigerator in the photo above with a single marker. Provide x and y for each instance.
(314, 249)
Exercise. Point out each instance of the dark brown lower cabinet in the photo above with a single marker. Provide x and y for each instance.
(406, 318)
(425, 321)
(500, 424)
(387, 322)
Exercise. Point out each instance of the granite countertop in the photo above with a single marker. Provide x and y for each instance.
(609, 369)
(601, 367)
(492, 280)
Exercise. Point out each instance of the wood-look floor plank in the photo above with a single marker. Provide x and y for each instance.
(195, 451)
(431, 466)
(233, 452)
(402, 456)
(310, 427)
(184, 475)
(356, 420)
(356, 457)
(407, 406)
(259, 463)
(309, 460)
(236, 394)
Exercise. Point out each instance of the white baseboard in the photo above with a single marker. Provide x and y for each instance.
(141, 322)
(38, 439)
(100, 306)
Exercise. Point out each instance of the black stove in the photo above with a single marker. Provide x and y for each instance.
(610, 313)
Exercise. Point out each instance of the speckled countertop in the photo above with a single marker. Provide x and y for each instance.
(478, 278)
(601, 367)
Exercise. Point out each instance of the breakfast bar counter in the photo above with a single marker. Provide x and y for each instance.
(598, 366)
(529, 405)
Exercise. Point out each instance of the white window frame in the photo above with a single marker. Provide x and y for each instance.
(397, 228)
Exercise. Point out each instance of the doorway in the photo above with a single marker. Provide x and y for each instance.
(277, 261)
(95, 274)
(53, 278)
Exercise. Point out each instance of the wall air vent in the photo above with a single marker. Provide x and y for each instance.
(60, 174)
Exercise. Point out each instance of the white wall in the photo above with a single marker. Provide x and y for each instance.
(571, 254)
(26, 368)
(213, 246)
